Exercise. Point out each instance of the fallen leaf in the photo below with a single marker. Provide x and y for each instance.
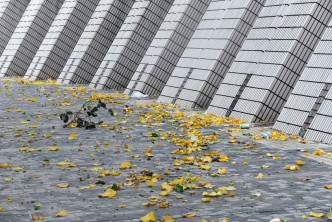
(259, 176)
(329, 215)
(62, 185)
(316, 214)
(34, 217)
(189, 215)
(61, 214)
(205, 200)
(222, 171)
(125, 165)
(53, 148)
(110, 193)
(328, 186)
(168, 219)
(148, 218)
(72, 137)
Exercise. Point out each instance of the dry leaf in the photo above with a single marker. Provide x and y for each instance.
(125, 165)
(72, 137)
(108, 193)
(61, 214)
(62, 185)
(316, 214)
(148, 218)
(34, 217)
(189, 215)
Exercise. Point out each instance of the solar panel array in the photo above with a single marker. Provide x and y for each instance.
(28, 36)
(131, 43)
(11, 12)
(95, 41)
(167, 46)
(210, 52)
(61, 39)
(308, 110)
(272, 59)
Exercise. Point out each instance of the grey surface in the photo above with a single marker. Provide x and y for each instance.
(131, 44)
(285, 194)
(61, 39)
(28, 36)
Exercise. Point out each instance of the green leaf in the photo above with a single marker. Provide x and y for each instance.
(206, 148)
(154, 135)
(114, 186)
(179, 188)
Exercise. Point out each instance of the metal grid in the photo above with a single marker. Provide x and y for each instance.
(28, 36)
(272, 59)
(131, 44)
(210, 52)
(167, 46)
(95, 41)
(11, 12)
(61, 39)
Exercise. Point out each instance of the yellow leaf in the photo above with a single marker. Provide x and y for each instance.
(319, 152)
(257, 194)
(153, 139)
(7, 179)
(4, 165)
(329, 215)
(61, 214)
(205, 167)
(222, 171)
(224, 220)
(163, 204)
(63, 185)
(316, 214)
(231, 194)
(189, 215)
(304, 216)
(164, 193)
(108, 193)
(206, 200)
(53, 148)
(328, 186)
(168, 219)
(34, 217)
(265, 166)
(125, 165)
(150, 184)
(259, 176)
(269, 155)
(106, 144)
(212, 194)
(1, 208)
(63, 164)
(122, 206)
(148, 218)
(72, 137)
(300, 162)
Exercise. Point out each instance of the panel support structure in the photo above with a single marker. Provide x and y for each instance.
(11, 12)
(167, 47)
(95, 41)
(275, 54)
(28, 36)
(131, 44)
(211, 51)
(61, 39)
